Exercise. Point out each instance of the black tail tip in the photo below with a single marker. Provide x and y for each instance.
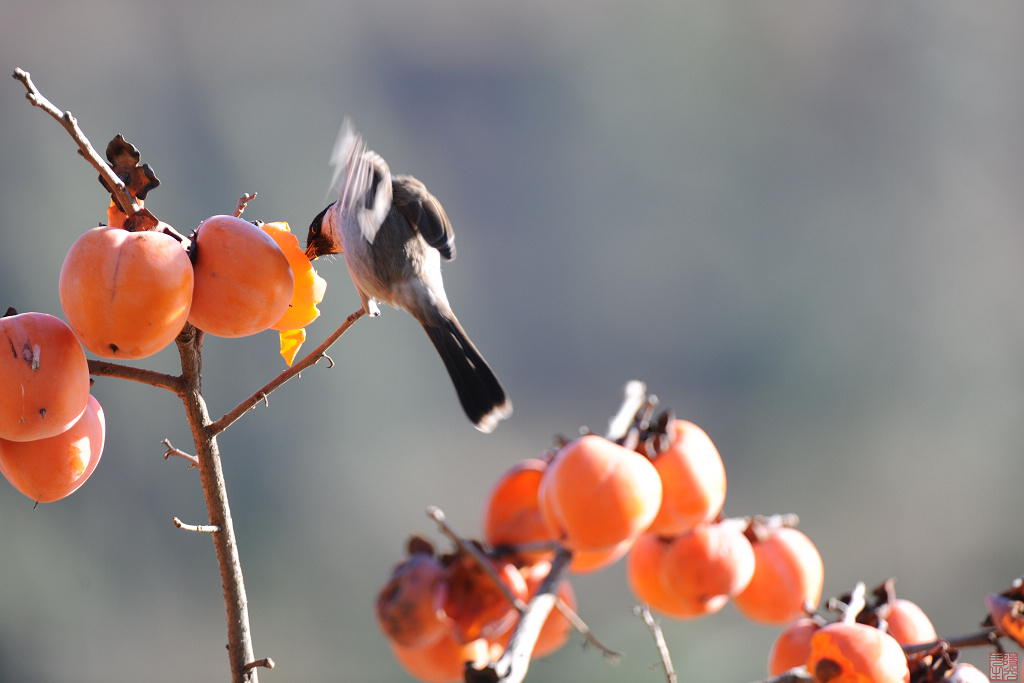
(487, 421)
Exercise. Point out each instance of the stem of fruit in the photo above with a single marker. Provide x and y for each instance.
(260, 395)
(66, 119)
(240, 649)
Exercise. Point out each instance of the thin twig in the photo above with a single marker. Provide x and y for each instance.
(242, 201)
(437, 514)
(644, 613)
(986, 637)
(612, 656)
(265, 663)
(201, 528)
(171, 450)
(102, 368)
(260, 394)
(634, 398)
(66, 119)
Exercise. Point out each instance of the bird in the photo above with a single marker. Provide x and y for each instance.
(393, 234)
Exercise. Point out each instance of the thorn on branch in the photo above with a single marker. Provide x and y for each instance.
(329, 360)
(171, 450)
(265, 663)
(202, 529)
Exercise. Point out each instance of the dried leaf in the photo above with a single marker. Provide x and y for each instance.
(124, 160)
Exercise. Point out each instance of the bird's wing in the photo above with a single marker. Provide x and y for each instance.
(425, 214)
(362, 180)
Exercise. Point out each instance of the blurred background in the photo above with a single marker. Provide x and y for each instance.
(800, 223)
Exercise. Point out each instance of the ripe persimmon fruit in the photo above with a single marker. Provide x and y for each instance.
(442, 661)
(793, 646)
(788, 577)
(309, 286)
(476, 606)
(844, 652)
(410, 606)
(126, 294)
(556, 629)
(243, 283)
(692, 477)
(644, 572)
(512, 513)
(908, 623)
(595, 494)
(708, 565)
(49, 469)
(44, 377)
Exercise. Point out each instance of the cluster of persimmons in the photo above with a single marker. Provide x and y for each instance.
(655, 498)
(127, 290)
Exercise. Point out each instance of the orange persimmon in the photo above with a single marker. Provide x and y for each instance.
(126, 294)
(788, 577)
(50, 469)
(908, 623)
(410, 606)
(44, 377)
(476, 606)
(243, 283)
(708, 565)
(309, 286)
(793, 646)
(442, 661)
(644, 566)
(596, 494)
(693, 479)
(856, 653)
(512, 513)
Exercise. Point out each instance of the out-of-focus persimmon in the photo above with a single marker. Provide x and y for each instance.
(44, 377)
(126, 294)
(243, 283)
(644, 572)
(788, 577)
(908, 623)
(793, 646)
(856, 653)
(708, 565)
(50, 469)
(586, 561)
(476, 606)
(596, 494)
(410, 606)
(512, 512)
(692, 477)
(442, 661)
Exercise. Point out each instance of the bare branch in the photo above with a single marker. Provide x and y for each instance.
(635, 396)
(644, 613)
(203, 529)
(266, 663)
(102, 368)
(261, 394)
(437, 514)
(171, 450)
(242, 202)
(85, 147)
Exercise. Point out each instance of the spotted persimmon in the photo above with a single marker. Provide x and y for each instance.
(595, 494)
(44, 377)
(793, 646)
(410, 606)
(442, 661)
(243, 283)
(693, 478)
(49, 469)
(126, 294)
(512, 515)
(908, 623)
(788, 577)
(708, 565)
(476, 606)
(856, 653)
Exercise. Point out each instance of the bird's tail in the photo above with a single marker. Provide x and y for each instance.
(479, 391)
